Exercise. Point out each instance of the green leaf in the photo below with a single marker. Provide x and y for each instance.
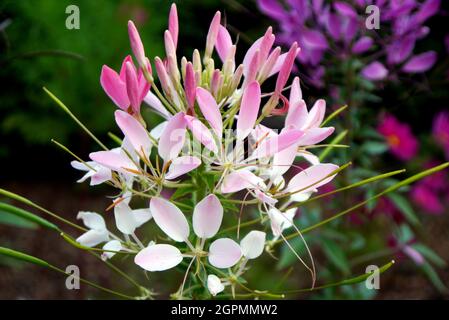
(336, 255)
(404, 206)
(375, 148)
(350, 281)
(431, 255)
(23, 257)
(433, 277)
(26, 215)
(15, 221)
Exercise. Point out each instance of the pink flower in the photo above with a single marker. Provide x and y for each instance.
(127, 89)
(399, 137)
(440, 130)
(426, 198)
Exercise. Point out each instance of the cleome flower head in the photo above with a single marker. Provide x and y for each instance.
(214, 142)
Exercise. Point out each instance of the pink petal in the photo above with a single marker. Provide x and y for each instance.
(135, 132)
(250, 55)
(224, 43)
(262, 196)
(316, 115)
(156, 104)
(212, 33)
(201, 133)
(266, 44)
(271, 146)
(207, 217)
(132, 87)
(115, 161)
(173, 25)
(307, 180)
(172, 137)
(314, 136)
(297, 115)
(114, 87)
(420, 63)
(278, 64)
(249, 110)
(158, 257)
(170, 48)
(295, 92)
(286, 68)
(210, 110)
(283, 160)
(224, 253)
(414, 255)
(170, 219)
(182, 165)
(252, 69)
(239, 180)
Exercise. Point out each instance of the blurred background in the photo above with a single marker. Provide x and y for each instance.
(37, 50)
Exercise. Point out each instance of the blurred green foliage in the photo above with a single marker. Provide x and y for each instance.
(38, 50)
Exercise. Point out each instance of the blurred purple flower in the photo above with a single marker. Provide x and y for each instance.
(399, 137)
(329, 30)
(427, 199)
(374, 71)
(406, 250)
(440, 130)
(429, 192)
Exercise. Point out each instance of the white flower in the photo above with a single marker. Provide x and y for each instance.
(214, 285)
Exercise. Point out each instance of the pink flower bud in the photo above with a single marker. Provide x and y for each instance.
(132, 87)
(170, 48)
(286, 68)
(136, 44)
(212, 34)
(173, 25)
(190, 84)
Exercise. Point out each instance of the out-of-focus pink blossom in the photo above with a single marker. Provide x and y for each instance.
(426, 199)
(400, 139)
(440, 130)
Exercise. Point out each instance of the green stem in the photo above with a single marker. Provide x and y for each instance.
(67, 110)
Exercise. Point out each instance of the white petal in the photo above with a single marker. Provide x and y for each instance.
(170, 219)
(93, 237)
(124, 218)
(92, 220)
(207, 217)
(253, 244)
(113, 245)
(141, 216)
(214, 284)
(158, 257)
(281, 220)
(312, 178)
(156, 132)
(224, 253)
(156, 104)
